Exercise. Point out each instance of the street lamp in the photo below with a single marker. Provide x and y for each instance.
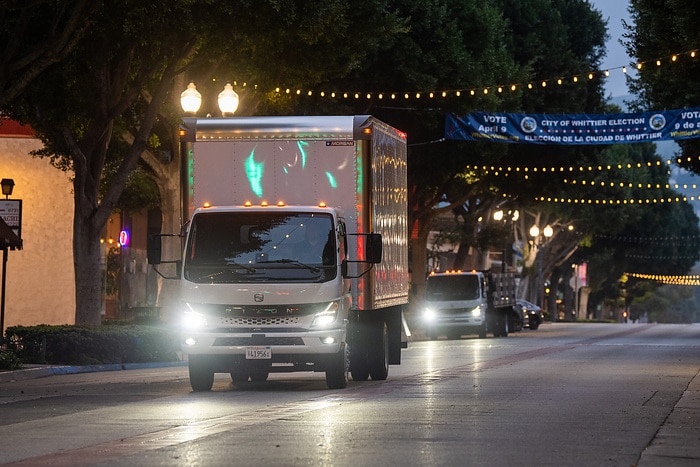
(228, 101)
(541, 244)
(7, 186)
(500, 216)
(190, 99)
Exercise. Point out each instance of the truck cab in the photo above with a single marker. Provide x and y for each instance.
(455, 304)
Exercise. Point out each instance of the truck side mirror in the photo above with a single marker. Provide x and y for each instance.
(154, 249)
(373, 248)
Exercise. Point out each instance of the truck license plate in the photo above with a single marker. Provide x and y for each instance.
(258, 353)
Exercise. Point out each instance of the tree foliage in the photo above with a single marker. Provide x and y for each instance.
(116, 84)
(106, 107)
(660, 29)
(36, 34)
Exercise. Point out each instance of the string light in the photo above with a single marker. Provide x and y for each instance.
(582, 169)
(673, 58)
(616, 201)
(692, 280)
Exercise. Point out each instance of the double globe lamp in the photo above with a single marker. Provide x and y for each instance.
(191, 100)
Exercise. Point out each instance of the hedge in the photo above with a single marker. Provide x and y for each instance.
(92, 345)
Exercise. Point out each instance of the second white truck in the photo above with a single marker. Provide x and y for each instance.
(475, 302)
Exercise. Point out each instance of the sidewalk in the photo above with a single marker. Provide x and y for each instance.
(677, 443)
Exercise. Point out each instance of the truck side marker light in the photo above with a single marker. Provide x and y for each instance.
(322, 204)
(264, 204)
(247, 204)
(206, 204)
(280, 203)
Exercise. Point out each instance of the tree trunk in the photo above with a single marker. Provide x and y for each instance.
(89, 271)
(168, 289)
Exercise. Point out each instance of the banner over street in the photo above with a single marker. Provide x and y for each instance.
(575, 129)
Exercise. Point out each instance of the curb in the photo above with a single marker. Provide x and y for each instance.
(52, 370)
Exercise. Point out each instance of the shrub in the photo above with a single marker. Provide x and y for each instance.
(9, 361)
(91, 345)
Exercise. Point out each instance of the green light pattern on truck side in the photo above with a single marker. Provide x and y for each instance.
(254, 172)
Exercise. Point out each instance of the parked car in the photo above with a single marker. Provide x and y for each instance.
(532, 314)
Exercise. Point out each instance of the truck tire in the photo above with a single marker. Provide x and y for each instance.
(378, 355)
(515, 322)
(359, 368)
(500, 324)
(534, 324)
(505, 324)
(201, 373)
(337, 371)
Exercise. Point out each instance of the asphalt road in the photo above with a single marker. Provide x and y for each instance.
(566, 394)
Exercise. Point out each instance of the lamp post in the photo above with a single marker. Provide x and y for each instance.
(8, 185)
(541, 240)
(508, 218)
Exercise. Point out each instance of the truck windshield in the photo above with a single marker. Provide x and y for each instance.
(452, 287)
(235, 247)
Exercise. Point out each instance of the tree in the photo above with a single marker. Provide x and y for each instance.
(660, 30)
(117, 85)
(36, 34)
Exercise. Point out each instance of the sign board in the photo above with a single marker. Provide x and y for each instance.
(11, 213)
(665, 125)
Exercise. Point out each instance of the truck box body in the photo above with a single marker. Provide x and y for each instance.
(255, 186)
(475, 302)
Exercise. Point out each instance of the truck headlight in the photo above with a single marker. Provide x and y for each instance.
(429, 314)
(327, 316)
(476, 311)
(192, 319)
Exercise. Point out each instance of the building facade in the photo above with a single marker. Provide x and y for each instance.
(40, 283)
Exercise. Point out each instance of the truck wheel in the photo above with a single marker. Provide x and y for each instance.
(378, 355)
(201, 374)
(337, 371)
(504, 325)
(492, 324)
(359, 369)
(515, 322)
(534, 324)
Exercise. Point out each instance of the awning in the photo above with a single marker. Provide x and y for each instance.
(8, 237)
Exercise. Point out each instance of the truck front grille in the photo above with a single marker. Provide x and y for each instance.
(248, 341)
(260, 321)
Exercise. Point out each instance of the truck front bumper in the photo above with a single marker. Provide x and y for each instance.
(326, 341)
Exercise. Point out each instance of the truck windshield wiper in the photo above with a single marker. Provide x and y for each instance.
(228, 271)
(292, 261)
(239, 265)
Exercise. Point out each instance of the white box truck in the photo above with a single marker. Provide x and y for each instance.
(295, 253)
(470, 302)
